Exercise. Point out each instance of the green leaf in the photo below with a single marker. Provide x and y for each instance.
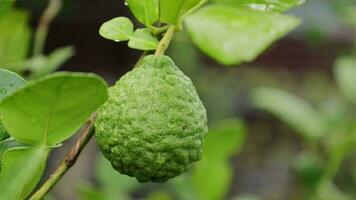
(9, 83)
(234, 35)
(15, 38)
(21, 169)
(142, 39)
(3, 133)
(6, 145)
(309, 170)
(350, 15)
(291, 109)
(5, 5)
(159, 195)
(212, 175)
(146, 11)
(264, 5)
(117, 29)
(171, 11)
(88, 192)
(113, 181)
(51, 109)
(345, 72)
(40, 66)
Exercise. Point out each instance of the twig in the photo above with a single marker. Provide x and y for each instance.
(139, 61)
(52, 10)
(71, 157)
(165, 41)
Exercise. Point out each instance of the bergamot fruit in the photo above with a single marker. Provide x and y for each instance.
(153, 125)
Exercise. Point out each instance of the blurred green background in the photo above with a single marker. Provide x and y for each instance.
(282, 127)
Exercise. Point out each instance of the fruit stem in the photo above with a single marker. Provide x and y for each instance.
(165, 41)
(69, 160)
(139, 61)
(52, 10)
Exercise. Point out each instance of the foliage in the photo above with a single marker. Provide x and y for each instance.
(37, 116)
(333, 129)
(220, 30)
(56, 107)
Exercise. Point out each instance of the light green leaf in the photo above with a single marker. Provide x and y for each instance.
(234, 35)
(6, 145)
(117, 29)
(51, 109)
(88, 192)
(172, 10)
(45, 65)
(146, 11)
(291, 109)
(264, 5)
(159, 195)
(21, 169)
(9, 83)
(212, 175)
(350, 15)
(142, 39)
(112, 181)
(15, 38)
(212, 178)
(345, 72)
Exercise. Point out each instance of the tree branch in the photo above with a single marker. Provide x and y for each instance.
(86, 134)
(51, 11)
(165, 41)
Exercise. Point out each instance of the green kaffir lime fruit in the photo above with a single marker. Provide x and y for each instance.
(153, 125)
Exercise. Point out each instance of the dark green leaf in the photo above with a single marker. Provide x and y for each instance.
(234, 35)
(21, 169)
(3, 133)
(291, 109)
(146, 11)
(264, 5)
(142, 39)
(51, 109)
(117, 29)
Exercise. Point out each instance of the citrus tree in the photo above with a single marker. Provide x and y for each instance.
(151, 124)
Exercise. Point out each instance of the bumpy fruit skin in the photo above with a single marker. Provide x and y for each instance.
(153, 125)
